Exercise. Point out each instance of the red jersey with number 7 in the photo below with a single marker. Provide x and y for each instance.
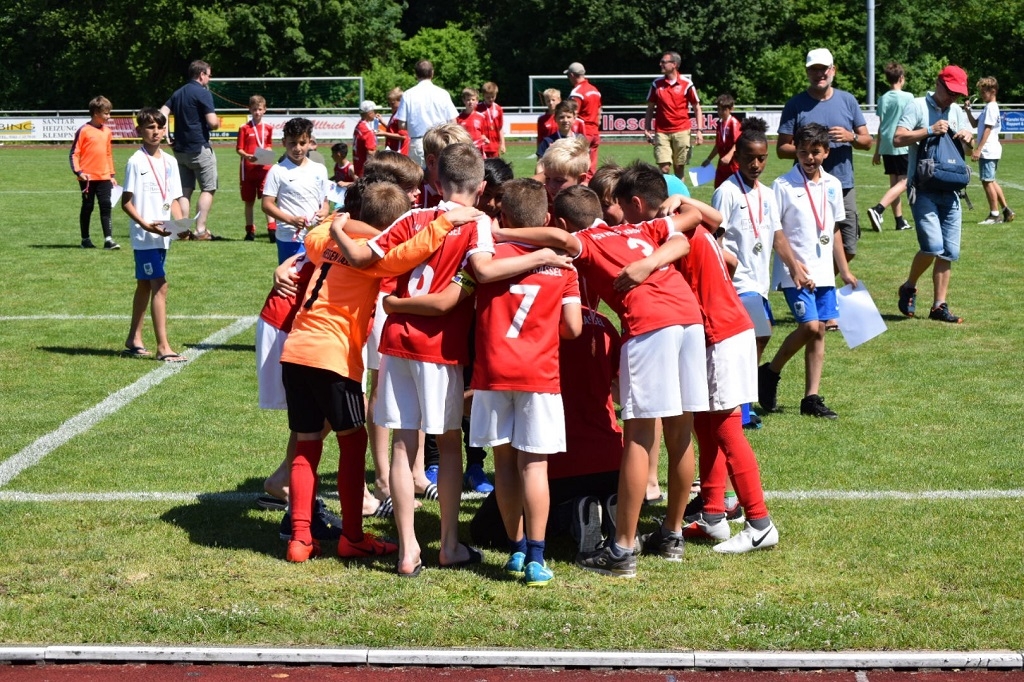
(517, 322)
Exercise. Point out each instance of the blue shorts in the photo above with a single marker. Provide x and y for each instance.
(937, 219)
(149, 264)
(287, 249)
(811, 306)
(987, 169)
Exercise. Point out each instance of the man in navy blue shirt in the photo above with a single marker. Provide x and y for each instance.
(194, 118)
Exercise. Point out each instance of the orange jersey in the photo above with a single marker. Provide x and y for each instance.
(330, 329)
(92, 153)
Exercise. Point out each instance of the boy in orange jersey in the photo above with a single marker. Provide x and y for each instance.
(92, 160)
(254, 135)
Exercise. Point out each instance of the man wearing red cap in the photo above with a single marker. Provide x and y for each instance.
(937, 215)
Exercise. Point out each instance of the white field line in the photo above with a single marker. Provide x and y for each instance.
(82, 422)
(248, 497)
(35, 318)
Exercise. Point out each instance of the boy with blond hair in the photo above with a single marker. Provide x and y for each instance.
(494, 117)
(988, 151)
(252, 136)
(436, 139)
(92, 160)
(565, 163)
(472, 120)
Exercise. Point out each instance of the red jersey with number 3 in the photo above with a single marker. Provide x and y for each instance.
(662, 300)
(705, 270)
(444, 339)
(517, 322)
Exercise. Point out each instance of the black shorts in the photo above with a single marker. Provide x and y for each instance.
(895, 164)
(315, 394)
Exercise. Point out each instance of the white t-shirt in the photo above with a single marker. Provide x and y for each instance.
(153, 182)
(993, 148)
(804, 231)
(738, 203)
(299, 190)
(424, 106)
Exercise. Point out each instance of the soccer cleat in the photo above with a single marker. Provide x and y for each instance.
(323, 526)
(733, 514)
(537, 575)
(1008, 215)
(908, 299)
(702, 530)
(272, 236)
(476, 480)
(601, 560)
(586, 524)
(300, 551)
(515, 563)
(754, 424)
(749, 539)
(250, 236)
(431, 473)
(942, 314)
(902, 224)
(87, 244)
(669, 548)
(876, 218)
(767, 388)
(693, 509)
(814, 406)
(111, 245)
(991, 220)
(369, 546)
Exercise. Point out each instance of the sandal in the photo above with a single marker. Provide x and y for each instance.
(384, 510)
(429, 493)
(135, 352)
(171, 357)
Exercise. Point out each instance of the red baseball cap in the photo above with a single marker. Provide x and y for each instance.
(955, 80)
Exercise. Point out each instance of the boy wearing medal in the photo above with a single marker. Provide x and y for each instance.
(810, 204)
(152, 187)
(253, 136)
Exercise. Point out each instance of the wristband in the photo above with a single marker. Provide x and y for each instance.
(929, 131)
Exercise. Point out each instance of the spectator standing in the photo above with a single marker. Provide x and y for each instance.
(669, 102)
(589, 100)
(890, 108)
(423, 106)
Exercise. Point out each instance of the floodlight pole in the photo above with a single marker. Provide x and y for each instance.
(871, 54)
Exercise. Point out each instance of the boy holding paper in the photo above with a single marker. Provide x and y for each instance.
(253, 137)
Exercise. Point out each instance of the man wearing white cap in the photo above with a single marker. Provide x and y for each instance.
(838, 111)
(423, 106)
(364, 139)
(588, 100)
(937, 215)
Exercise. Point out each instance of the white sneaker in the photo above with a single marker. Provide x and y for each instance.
(702, 530)
(876, 219)
(749, 539)
(991, 220)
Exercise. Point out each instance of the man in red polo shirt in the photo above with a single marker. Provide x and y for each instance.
(669, 102)
(589, 100)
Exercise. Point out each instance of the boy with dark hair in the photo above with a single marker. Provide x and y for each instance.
(344, 173)
(725, 139)
(890, 108)
(254, 135)
(565, 119)
(92, 160)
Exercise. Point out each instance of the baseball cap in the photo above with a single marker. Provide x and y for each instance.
(955, 80)
(366, 106)
(819, 57)
(575, 69)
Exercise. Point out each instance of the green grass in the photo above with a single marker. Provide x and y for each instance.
(923, 407)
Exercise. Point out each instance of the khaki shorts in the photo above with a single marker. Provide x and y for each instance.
(201, 165)
(672, 148)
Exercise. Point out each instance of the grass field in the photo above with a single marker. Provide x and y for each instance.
(900, 523)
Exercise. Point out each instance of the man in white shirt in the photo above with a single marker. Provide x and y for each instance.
(424, 106)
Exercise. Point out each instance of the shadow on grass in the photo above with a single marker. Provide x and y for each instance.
(79, 350)
(233, 347)
(76, 247)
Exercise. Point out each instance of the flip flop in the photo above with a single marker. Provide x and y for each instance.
(475, 557)
(831, 327)
(429, 493)
(135, 352)
(414, 574)
(268, 501)
(171, 357)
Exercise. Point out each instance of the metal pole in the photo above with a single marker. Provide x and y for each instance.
(871, 54)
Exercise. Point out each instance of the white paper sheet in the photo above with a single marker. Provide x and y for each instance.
(180, 226)
(265, 157)
(701, 175)
(859, 319)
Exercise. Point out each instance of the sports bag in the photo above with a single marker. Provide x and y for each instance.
(940, 165)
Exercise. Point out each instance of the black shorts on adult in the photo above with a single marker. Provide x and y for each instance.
(315, 394)
(895, 164)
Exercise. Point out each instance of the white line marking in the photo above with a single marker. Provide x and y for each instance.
(82, 422)
(249, 497)
(33, 318)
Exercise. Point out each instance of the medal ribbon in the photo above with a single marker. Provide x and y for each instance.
(819, 221)
(760, 204)
(162, 188)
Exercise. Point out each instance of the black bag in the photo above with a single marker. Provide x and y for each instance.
(940, 165)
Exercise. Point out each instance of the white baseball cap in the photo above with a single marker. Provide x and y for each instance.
(819, 57)
(366, 106)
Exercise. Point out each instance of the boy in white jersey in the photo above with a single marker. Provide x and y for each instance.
(810, 204)
(988, 152)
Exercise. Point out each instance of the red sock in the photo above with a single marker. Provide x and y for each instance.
(741, 462)
(272, 226)
(351, 479)
(302, 487)
(713, 472)
(250, 229)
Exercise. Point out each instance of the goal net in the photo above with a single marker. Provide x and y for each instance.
(320, 94)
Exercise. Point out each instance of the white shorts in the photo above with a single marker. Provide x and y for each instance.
(732, 371)
(419, 395)
(664, 373)
(531, 422)
(373, 340)
(269, 342)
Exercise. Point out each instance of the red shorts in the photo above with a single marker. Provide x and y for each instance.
(251, 187)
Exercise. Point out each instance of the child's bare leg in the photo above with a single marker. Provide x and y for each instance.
(797, 339)
(380, 438)
(897, 186)
(449, 496)
(536, 496)
(277, 483)
(158, 309)
(639, 439)
(990, 194)
(762, 343)
(680, 467)
(814, 357)
(653, 486)
(403, 496)
(140, 301)
(508, 490)
(418, 467)
(248, 212)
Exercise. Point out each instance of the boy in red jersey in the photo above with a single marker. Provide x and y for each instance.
(725, 140)
(494, 116)
(254, 135)
(344, 172)
(472, 120)
(92, 160)
(364, 138)
(662, 369)
(396, 137)
(589, 99)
